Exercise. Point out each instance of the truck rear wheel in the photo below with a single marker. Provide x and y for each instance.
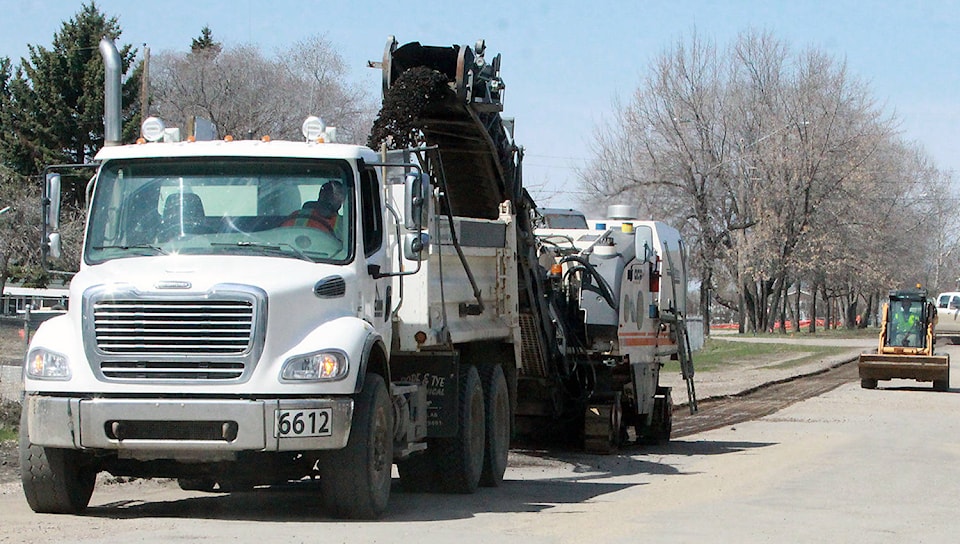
(497, 408)
(453, 464)
(461, 457)
(356, 480)
(868, 383)
(55, 481)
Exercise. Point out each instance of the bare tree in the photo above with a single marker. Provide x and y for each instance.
(245, 94)
(774, 164)
(19, 224)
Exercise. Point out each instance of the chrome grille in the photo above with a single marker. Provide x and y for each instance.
(221, 327)
(151, 338)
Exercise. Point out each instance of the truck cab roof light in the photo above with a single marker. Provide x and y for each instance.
(152, 129)
(313, 128)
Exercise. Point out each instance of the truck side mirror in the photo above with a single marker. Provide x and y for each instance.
(53, 201)
(53, 245)
(644, 243)
(416, 200)
(414, 244)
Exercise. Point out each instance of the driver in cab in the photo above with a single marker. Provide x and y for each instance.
(906, 325)
(322, 213)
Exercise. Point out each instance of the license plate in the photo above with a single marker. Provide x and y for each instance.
(302, 423)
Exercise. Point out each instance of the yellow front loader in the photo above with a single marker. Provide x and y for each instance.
(906, 344)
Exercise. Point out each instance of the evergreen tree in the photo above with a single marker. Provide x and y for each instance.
(53, 103)
(205, 42)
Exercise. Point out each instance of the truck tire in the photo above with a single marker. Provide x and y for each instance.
(868, 383)
(496, 399)
(461, 457)
(355, 480)
(55, 481)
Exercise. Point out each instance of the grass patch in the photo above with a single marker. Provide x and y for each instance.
(9, 420)
(869, 332)
(719, 353)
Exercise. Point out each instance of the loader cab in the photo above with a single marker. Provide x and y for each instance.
(909, 314)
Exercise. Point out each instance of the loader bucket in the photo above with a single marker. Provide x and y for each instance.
(923, 368)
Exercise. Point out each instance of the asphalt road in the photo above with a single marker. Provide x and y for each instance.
(850, 465)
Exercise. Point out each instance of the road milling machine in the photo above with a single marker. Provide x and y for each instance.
(906, 343)
(600, 312)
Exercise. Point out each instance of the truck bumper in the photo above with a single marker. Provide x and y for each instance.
(178, 429)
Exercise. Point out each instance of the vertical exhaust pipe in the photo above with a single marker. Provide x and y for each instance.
(112, 126)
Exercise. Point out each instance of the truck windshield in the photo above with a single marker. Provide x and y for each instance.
(298, 209)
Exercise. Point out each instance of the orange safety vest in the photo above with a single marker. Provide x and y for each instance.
(312, 220)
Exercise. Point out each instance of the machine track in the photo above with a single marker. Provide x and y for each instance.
(759, 402)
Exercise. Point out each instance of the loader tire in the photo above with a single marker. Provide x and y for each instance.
(54, 480)
(355, 480)
(497, 410)
(868, 383)
(944, 384)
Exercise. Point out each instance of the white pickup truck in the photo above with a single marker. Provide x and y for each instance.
(948, 317)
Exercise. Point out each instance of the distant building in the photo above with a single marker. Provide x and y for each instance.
(15, 300)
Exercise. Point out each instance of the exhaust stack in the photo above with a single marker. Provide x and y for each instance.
(112, 126)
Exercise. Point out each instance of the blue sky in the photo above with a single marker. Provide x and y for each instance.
(564, 62)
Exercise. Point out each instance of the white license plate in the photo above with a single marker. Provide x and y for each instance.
(303, 423)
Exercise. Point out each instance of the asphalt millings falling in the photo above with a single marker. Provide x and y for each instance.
(400, 122)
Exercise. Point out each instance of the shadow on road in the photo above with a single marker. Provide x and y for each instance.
(536, 481)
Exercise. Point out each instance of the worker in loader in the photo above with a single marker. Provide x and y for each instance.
(906, 325)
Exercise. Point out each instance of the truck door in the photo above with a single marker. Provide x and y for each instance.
(376, 293)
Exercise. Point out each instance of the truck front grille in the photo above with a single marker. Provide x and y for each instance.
(139, 337)
(151, 326)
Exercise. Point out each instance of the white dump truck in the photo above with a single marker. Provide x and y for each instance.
(223, 331)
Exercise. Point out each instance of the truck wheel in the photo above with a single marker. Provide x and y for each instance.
(497, 408)
(460, 458)
(55, 481)
(355, 480)
(868, 383)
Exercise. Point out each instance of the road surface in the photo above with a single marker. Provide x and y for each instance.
(849, 465)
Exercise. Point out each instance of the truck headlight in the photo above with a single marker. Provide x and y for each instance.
(316, 367)
(46, 365)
